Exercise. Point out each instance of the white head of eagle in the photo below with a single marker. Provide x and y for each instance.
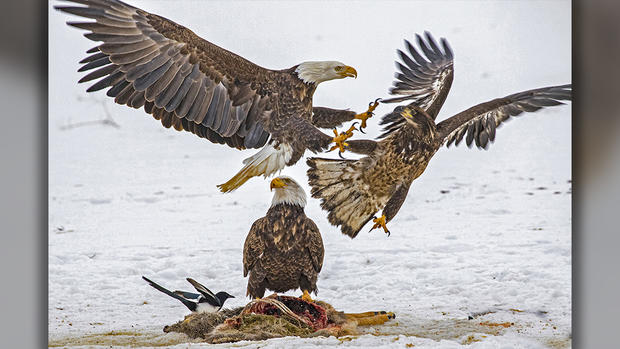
(317, 72)
(287, 191)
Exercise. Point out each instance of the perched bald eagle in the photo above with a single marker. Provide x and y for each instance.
(283, 250)
(353, 191)
(147, 61)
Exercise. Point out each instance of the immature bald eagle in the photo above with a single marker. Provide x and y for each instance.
(283, 250)
(191, 84)
(354, 190)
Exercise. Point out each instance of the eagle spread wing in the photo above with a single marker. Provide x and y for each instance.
(190, 84)
(424, 81)
(479, 122)
(181, 79)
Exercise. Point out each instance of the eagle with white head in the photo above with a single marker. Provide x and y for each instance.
(147, 61)
(283, 250)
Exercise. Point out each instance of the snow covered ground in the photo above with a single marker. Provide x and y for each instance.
(483, 234)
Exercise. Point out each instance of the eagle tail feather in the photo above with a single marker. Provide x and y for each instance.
(334, 182)
(266, 162)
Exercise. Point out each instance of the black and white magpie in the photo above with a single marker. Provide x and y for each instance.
(203, 302)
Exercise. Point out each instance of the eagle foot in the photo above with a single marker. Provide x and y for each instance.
(306, 297)
(380, 222)
(367, 114)
(340, 138)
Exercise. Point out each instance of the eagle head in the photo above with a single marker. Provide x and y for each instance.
(318, 72)
(419, 119)
(287, 191)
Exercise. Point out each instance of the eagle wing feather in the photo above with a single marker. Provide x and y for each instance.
(425, 81)
(342, 193)
(254, 245)
(314, 244)
(188, 83)
(478, 124)
(331, 118)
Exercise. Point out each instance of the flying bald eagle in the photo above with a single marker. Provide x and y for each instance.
(147, 61)
(283, 250)
(353, 191)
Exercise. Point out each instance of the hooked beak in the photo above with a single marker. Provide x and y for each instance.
(277, 183)
(412, 111)
(348, 72)
(408, 113)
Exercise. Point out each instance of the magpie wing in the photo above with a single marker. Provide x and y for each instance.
(189, 304)
(210, 296)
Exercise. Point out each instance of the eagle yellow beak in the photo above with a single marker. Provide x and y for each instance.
(348, 72)
(407, 113)
(410, 112)
(277, 183)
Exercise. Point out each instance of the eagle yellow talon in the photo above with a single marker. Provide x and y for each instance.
(380, 222)
(306, 297)
(367, 114)
(340, 138)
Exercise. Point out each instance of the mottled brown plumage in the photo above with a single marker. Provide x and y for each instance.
(284, 249)
(353, 191)
(147, 61)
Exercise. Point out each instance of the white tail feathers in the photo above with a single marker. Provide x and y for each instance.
(337, 184)
(266, 162)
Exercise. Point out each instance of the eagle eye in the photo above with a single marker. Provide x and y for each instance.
(339, 68)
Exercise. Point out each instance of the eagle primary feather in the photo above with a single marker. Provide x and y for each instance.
(353, 191)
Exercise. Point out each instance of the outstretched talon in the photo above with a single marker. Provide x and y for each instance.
(367, 114)
(380, 222)
(340, 139)
(306, 297)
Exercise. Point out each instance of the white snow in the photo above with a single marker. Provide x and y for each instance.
(141, 200)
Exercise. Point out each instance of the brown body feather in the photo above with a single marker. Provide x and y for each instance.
(353, 191)
(283, 251)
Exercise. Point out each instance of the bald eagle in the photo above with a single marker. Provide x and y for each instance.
(283, 250)
(353, 191)
(147, 61)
